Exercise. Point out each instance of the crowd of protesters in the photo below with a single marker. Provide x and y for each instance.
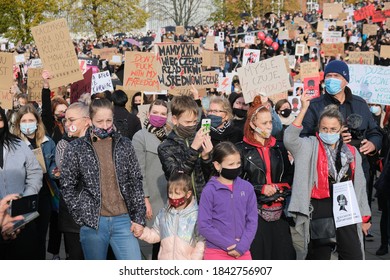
(233, 190)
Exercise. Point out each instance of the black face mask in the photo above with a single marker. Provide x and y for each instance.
(285, 113)
(230, 174)
(186, 131)
(240, 112)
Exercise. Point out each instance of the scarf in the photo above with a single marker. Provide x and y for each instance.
(158, 131)
(346, 158)
(221, 130)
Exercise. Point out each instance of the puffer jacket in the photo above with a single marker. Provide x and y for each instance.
(177, 231)
(176, 154)
(81, 165)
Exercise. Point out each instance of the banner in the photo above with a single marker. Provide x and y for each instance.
(57, 52)
(370, 82)
(268, 76)
(35, 84)
(100, 82)
(250, 56)
(364, 12)
(79, 88)
(361, 58)
(6, 70)
(141, 71)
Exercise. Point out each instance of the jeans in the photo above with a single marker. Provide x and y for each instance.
(114, 231)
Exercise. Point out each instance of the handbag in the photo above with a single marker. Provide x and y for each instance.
(323, 231)
(271, 214)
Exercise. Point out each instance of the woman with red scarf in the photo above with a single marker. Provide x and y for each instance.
(321, 161)
(266, 166)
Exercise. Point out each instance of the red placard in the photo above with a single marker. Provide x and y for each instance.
(364, 12)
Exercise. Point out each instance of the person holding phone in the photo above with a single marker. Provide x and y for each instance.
(20, 173)
(6, 221)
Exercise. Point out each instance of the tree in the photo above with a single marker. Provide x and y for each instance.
(104, 16)
(18, 16)
(181, 12)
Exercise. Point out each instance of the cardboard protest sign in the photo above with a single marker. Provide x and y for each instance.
(320, 26)
(291, 61)
(370, 82)
(361, 58)
(309, 69)
(283, 35)
(250, 56)
(213, 59)
(105, 53)
(6, 70)
(332, 10)
(386, 6)
(332, 49)
(35, 84)
(343, 16)
(208, 79)
(370, 29)
(209, 44)
(364, 12)
(180, 66)
(312, 85)
(39, 156)
(299, 49)
(141, 71)
(57, 52)
(187, 91)
(6, 99)
(180, 30)
(385, 51)
(388, 22)
(100, 82)
(79, 88)
(268, 76)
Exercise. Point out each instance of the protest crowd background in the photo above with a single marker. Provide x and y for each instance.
(226, 70)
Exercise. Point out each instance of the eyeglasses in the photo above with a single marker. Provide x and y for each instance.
(215, 111)
(71, 120)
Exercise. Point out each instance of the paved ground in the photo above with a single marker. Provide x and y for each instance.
(370, 245)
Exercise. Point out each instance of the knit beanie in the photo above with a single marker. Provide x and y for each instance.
(339, 67)
(233, 97)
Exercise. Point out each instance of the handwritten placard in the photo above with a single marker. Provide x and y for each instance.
(35, 63)
(385, 51)
(19, 58)
(6, 70)
(268, 76)
(79, 88)
(332, 10)
(370, 29)
(370, 82)
(249, 40)
(6, 99)
(180, 30)
(180, 66)
(101, 81)
(105, 53)
(309, 69)
(57, 52)
(213, 59)
(35, 84)
(209, 44)
(364, 12)
(332, 49)
(361, 58)
(141, 71)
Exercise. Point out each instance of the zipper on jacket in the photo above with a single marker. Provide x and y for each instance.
(116, 175)
(192, 174)
(234, 213)
(175, 234)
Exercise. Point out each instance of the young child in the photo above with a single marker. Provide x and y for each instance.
(175, 225)
(185, 148)
(227, 209)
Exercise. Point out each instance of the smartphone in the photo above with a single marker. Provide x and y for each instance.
(24, 205)
(206, 125)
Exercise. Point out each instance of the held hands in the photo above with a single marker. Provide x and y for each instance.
(232, 252)
(136, 229)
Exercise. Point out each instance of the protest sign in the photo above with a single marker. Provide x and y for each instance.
(332, 49)
(278, 96)
(297, 89)
(295, 102)
(331, 34)
(309, 69)
(268, 76)
(19, 58)
(332, 10)
(209, 44)
(130, 93)
(35, 63)
(115, 60)
(291, 61)
(370, 82)
(361, 58)
(388, 23)
(386, 6)
(57, 53)
(213, 59)
(180, 66)
(6, 70)
(334, 40)
(345, 206)
(180, 30)
(320, 26)
(225, 83)
(187, 91)
(343, 16)
(370, 29)
(364, 12)
(35, 84)
(312, 86)
(250, 56)
(6, 99)
(105, 53)
(311, 42)
(385, 51)
(38, 153)
(378, 16)
(299, 49)
(283, 35)
(100, 82)
(249, 40)
(141, 71)
(83, 86)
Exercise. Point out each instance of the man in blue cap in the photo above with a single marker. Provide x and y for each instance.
(360, 129)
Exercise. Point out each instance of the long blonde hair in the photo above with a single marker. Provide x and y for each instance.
(39, 133)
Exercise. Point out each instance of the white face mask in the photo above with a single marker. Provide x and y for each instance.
(263, 133)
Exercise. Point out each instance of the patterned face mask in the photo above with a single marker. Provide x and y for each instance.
(102, 133)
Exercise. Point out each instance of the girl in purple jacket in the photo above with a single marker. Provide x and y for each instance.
(227, 216)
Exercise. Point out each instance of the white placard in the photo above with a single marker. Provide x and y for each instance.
(225, 83)
(35, 63)
(101, 81)
(250, 56)
(20, 58)
(250, 40)
(345, 206)
(163, 92)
